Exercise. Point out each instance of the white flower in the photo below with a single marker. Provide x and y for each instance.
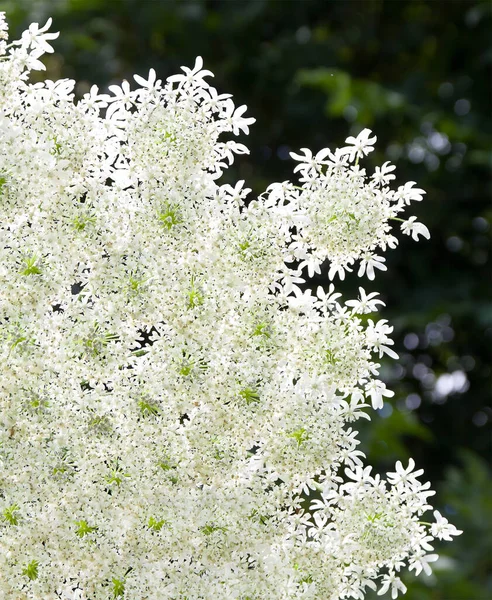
(407, 193)
(152, 83)
(404, 476)
(420, 562)
(383, 175)
(396, 584)
(329, 299)
(197, 74)
(339, 158)
(339, 269)
(377, 391)
(233, 116)
(442, 529)
(95, 100)
(313, 265)
(37, 38)
(238, 193)
(366, 303)
(123, 96)
(411, 227)
(377, 337)
(370, 262)
(361, 145)
(178, 394)
(301, 301)
(4, 28)
(308, 161)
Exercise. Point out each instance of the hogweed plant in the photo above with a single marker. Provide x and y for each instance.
(176, 414)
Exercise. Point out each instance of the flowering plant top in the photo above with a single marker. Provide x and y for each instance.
(176, 414)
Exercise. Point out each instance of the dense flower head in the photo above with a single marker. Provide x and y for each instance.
(176, 414)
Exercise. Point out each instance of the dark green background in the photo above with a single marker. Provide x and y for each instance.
(313, 72)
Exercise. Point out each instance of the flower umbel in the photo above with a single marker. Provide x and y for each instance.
(177, 412)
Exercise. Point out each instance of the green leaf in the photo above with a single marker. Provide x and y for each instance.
(262, 329)
(300, 436)
(83, 528)
(9, 515)
(31, 267)
(250, 395)
(148, 409)
(81, 222)
(156, 525)
(170, 216)
(209, 529)
(195, 298)
(118, 588)
(31, 570)
(116, 475)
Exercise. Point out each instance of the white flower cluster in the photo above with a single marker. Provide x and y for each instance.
(344, 216)
(175, 411)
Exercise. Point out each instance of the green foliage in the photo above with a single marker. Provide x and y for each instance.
(249, 395)
(300, 436)
(118, 588)
(262, 329)
(9, 514)
(155, 524)
(81, 222)
(31, 570)
(209, 529)
(116, 475)
(371, 100)
(30, 267)
(169, 216)
(386, 439)
(83, 528)
(195, 296)
(147, 408)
